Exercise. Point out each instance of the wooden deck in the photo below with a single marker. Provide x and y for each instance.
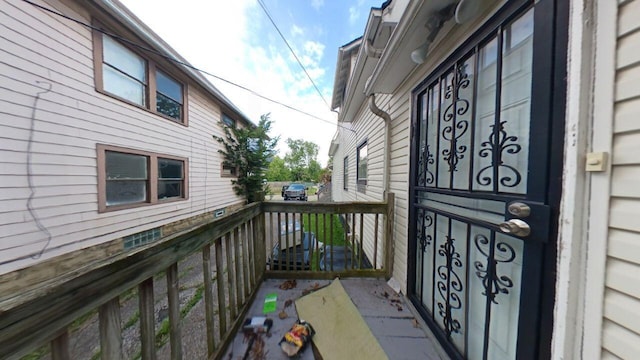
(388, 316)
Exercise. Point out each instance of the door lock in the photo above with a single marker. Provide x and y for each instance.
(515, 227)
(519, 209)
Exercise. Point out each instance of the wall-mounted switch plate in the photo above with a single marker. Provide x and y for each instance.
(596, 161)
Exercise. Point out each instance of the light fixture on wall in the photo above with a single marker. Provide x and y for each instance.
(467, 10)
(434, 23)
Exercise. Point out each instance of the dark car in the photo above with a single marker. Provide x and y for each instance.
(342, 259)
(296, 257)
(295, 192)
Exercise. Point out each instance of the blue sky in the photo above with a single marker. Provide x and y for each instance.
(235, 40)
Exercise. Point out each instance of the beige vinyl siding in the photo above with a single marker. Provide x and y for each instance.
(71, 119)
(621, 326)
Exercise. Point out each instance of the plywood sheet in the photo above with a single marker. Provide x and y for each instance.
(341, 332)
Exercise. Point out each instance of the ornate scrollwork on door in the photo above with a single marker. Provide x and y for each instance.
(425, 221)
(449, 286)
(493, 283)
(456, 127)
(498, 144)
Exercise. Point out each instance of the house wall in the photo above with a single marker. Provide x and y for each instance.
(39, 50)
(621, 317)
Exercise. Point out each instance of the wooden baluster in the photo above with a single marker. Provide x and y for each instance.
(361, 241)
(222, 312)
(173, 296)
(252, 255)
(388, 231)
(375, 242)
(147, 321)
(353, 239)
(208, 299)
(246, 261)
(230, 278)
(60, 346)
(110, 330)
(238, 261)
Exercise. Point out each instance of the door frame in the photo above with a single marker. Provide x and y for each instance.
(552, 22)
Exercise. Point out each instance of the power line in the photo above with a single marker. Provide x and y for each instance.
(264, 7)
(167, 57)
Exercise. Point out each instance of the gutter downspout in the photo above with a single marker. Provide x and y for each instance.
(371, 51)
(387, 141)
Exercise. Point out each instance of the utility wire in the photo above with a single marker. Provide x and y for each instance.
(172, 59)
(264, 8)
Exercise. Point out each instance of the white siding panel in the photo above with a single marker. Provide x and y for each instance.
(626, 148)
(627, 84)
(628, 50)
(625, 180)
(623, 277)
(624, 245)
(626, 116)
(620, 341)
(628, 17)
(624, 214)
(619, 308)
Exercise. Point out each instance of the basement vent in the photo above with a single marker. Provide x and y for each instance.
(218, 213)
(142, 238)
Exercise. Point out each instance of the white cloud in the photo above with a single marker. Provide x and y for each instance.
(317, 4)
(296, 30)
(243, 52)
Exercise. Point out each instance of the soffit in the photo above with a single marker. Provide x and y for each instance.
(395, 64)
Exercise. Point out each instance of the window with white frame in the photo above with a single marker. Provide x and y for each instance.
(362, 159)
(130, 178)
(126, 75)
(345, 173)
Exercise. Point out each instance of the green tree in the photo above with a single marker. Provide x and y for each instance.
(299, 159)
(249, 150)
(278, 171)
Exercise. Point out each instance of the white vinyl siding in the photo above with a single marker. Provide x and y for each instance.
(621, 325)
(37, 50)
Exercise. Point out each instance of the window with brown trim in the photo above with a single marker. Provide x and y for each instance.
(229, 121)
(229, 171)
(130, 178)
(124, 74)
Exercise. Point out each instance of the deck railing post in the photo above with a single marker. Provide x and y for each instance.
(208, 298)
(110, 330)
(173, 292)
(388, 235)
(147, 320)
(60, 346)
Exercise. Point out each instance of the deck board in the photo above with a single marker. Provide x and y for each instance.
(388, 317)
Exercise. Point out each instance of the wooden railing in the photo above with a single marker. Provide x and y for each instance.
(351, 239)
(234, 252)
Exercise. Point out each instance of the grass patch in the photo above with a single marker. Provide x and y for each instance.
(324, 230)
(38, 354)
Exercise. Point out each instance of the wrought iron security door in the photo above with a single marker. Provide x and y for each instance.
(480, 217)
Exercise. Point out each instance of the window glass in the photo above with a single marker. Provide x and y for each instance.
(228, 121)
(123, 59)
(170, 178)
(362, 162)
(345, 180)
(168, 96)
(228, 170)
(126, 178)
(519, 30)
(169, 87)
(123, 86)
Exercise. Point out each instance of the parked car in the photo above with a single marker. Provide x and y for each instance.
(295, 192)
(280, 259)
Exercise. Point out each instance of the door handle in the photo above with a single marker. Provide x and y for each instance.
(515, 227)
